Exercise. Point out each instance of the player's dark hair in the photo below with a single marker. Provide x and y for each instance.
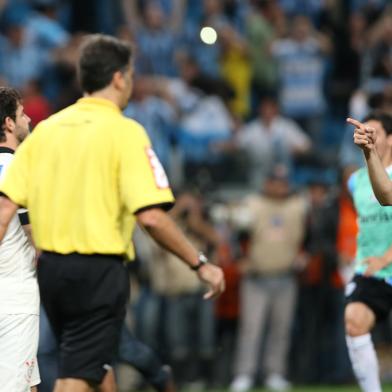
(9, 99)
(382, 117)
(101, 56)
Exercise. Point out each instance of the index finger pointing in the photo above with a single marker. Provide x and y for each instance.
(354, 122)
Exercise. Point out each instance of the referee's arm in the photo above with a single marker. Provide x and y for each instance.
(166, 233)
(7, 210)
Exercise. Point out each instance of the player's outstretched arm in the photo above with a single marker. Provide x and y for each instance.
(7, 210)
(166, 233)
(365, 138)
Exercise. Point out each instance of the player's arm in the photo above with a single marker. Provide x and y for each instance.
(194, 219)
(166, 233)
(365, 138)
(7, 210)
(143, 186)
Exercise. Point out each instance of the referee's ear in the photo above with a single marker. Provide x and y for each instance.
(118, 80)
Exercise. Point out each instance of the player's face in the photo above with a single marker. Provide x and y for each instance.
(22, 124)
(381, 141)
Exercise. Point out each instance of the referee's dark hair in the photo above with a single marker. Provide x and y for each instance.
(382, 117)
(9, 99)
(101, 56)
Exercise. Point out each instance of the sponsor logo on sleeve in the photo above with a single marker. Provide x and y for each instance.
(160, 177)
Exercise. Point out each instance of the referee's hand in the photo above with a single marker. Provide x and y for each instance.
(214, 278)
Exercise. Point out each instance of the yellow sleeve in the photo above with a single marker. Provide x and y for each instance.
(143, 181)
(15, 182)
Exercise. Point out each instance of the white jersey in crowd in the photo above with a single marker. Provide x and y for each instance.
(19, 292)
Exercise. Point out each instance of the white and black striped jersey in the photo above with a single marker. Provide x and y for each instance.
(18, 285)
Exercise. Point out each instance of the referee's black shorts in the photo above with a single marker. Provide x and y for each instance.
(85, 298)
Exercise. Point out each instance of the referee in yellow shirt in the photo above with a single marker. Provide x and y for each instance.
(87, 174)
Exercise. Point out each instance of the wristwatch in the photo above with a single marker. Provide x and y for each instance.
(202, 260)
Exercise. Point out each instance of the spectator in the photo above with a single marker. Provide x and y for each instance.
(94, 16)
(182, 90)
(301, 65)
(261, 30)
(329, 241)
(43, 27)
(269, 139)
(20, 59)
(155, 36)
(350, 41)
(235, 69)
(204, 120)
(207, 55)
(310, 8)
(60, 84)
(371, 8)
(379, 65)
(268, 288)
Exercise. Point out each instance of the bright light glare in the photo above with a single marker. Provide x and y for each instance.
(208, 35)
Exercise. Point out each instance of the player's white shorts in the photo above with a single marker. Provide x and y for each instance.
(18, 352)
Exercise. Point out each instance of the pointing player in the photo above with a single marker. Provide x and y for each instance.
(370, 292)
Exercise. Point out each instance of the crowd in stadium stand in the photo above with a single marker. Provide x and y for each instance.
(254, 119)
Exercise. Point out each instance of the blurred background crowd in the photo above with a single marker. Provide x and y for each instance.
(245, 103)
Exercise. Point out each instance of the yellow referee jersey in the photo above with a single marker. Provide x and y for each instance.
(83, 174)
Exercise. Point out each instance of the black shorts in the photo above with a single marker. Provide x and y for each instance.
(85, 298)
(375, 293)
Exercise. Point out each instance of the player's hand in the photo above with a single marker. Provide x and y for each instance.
(375, 264)
(364, 137)
(214, 278)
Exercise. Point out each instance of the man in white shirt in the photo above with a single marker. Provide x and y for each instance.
(19, 294)
(270, 139)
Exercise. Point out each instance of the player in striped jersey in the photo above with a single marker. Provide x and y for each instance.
(19, 295)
